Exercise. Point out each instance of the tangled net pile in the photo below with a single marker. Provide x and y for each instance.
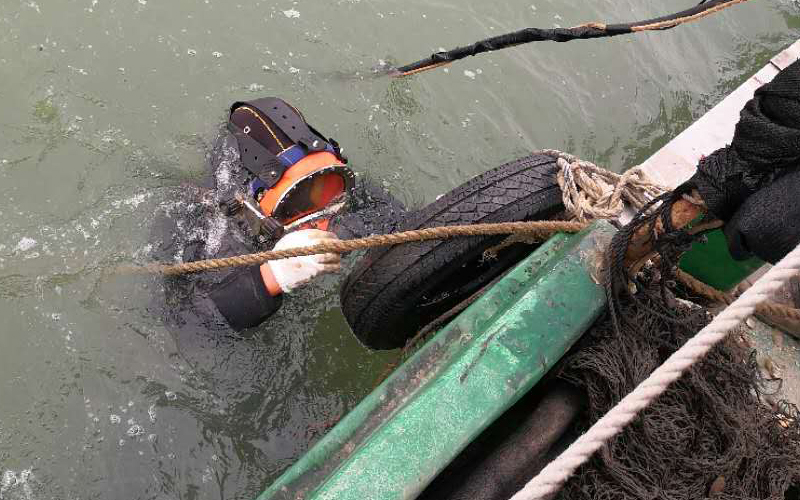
(711, 435)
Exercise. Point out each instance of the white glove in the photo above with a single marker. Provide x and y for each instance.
(292, 273)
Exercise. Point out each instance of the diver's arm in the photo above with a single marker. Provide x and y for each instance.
(250, 295)
(243, 299)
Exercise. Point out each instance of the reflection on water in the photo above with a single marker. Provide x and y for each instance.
(109, 110)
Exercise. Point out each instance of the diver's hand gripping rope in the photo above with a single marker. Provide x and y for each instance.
(582, 32)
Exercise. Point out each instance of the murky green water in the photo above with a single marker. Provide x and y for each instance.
(107, 109)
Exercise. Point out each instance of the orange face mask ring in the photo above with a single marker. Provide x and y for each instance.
(318, 164)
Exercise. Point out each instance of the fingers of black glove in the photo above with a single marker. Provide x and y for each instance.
(768, 222)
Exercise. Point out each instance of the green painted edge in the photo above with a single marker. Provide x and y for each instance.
(393, 443)
(711, 262)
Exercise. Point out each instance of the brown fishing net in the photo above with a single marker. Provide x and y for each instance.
(712, 434)
(717, 431)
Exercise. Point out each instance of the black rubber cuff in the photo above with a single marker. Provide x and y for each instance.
(243, 300)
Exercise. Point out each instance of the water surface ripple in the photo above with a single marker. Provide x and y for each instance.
(108, 108)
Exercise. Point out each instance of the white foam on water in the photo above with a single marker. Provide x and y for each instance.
(16, 485)
(217, 228)
(25, 244)
(291, 13)
(135, 430)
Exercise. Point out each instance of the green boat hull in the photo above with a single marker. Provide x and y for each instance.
(412, 426)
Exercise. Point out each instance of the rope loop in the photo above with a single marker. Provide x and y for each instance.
(590, 192)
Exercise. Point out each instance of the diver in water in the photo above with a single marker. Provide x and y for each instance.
(277, 183)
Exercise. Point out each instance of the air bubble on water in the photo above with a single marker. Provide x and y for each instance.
(216, 54)
(191, 52)
(255, 87)
(291, 13)
(114, 419)
(171, 395)
(122, 442)
(469, 74)
(135, 430)
(142, 2)
(25, 244)
(292, 69)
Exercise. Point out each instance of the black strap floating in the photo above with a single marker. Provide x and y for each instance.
(582, 32)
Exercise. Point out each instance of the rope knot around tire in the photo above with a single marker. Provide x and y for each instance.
(591, 192)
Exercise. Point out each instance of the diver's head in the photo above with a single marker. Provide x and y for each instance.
(299, 178)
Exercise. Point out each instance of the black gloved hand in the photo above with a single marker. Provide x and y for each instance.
(767, 224)
(754, 184)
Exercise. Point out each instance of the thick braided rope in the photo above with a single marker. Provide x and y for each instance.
(590, 192)
(552, 477)
(767, 307)
(537, 228)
